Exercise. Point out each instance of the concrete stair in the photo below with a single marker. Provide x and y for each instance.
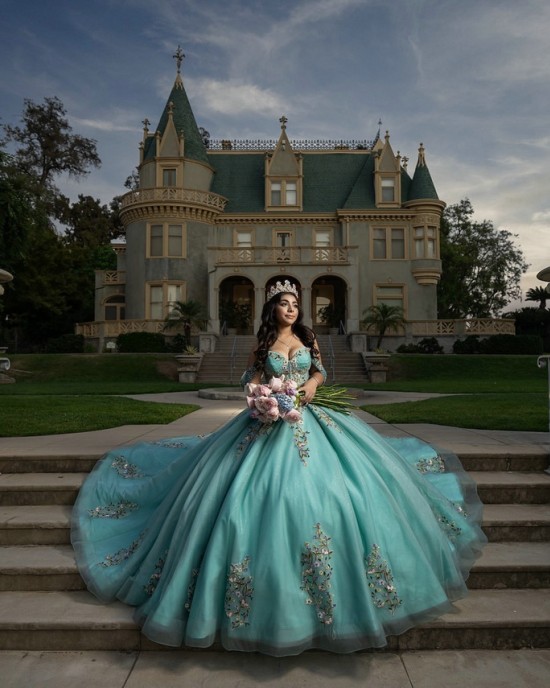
(44, 606)
(344, 366)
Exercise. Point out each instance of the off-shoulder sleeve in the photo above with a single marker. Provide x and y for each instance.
(319, 367)
(248, 374)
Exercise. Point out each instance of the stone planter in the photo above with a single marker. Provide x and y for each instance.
(375, 363)
(188, 366)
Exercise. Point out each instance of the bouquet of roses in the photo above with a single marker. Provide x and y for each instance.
(278, 399)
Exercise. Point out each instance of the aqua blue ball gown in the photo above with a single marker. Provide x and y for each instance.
(279, 538)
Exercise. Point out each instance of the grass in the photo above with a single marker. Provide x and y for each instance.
(58, 393)
(52, 415)
(494, 392)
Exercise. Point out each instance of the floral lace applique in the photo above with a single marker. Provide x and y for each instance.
(434, 464)
(191, 589)
(380, 578)
(300, 440)
(170, 444)
(238, 594)
(126, 469)
(449, 527)
(255, 430)
(155, 577)
(324, 417)
(118, 510)
(123, 554)
(461, 510)
(316, 575)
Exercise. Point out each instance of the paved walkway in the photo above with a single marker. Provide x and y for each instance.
(444, 669)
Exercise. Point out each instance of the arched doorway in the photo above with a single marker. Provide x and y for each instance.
(329, 304)
(236, 305)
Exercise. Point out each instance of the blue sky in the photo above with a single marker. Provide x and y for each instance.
(468, 78)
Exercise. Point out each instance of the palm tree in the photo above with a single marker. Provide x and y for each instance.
(187, 313)
(538, 294)
(383, 317)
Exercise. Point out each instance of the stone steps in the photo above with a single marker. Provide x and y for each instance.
(495, 487)
(75, 620)
(50, 524)
(53, 567)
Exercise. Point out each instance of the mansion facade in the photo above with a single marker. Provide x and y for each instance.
(219, 222)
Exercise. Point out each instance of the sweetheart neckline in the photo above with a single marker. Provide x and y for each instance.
(289, 358)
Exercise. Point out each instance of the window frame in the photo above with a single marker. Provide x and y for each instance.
(388, 242)
(166, 236)
(165, 303)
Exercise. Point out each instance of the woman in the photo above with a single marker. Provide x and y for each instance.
(279, 536)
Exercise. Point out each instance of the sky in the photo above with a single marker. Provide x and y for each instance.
(470, 79)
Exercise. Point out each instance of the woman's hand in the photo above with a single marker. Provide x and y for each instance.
(307, 391)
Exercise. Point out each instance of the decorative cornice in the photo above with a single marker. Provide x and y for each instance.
(159, 211)
(376, 215)
(267, 219)
(203, 206)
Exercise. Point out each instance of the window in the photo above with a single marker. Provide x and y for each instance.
(425, 242)
(388, 243)
(388, 190)
(283, 193)
(322, 238)
(166, 240)
(115, 307)
(283, 238)
(169, 177)
(392, 295)
(161, 298)
(243, 239)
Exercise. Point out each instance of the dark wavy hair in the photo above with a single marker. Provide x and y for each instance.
(267, 333)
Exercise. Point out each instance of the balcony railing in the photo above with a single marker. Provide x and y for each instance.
(170, 194)
(462, 328)
(112, 276)
(289, 255)
(112, 328)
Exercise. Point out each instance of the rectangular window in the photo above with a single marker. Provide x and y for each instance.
(243, 239)
(425, 242)
(397, 243)
(166, 240)
(275, 193)
(392, 296)
(291, 193)
(379, 243)
(283, 239)
(322, 238)
(156, 241)
(169, 177)
(175, 240)
(388, 190)
(155, 302)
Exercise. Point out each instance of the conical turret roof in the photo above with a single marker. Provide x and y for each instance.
(422, 185)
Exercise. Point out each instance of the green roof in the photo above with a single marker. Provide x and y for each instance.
(184, 120)
(422, 185)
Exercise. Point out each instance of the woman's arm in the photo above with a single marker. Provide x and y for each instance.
(317, 376)
(252, 373)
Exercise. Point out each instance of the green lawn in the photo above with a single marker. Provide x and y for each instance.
(57, 393)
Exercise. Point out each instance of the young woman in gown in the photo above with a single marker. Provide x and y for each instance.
(279, 537)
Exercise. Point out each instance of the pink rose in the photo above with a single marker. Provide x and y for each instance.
(293, 416)
(250, 389)
(276, 384)
(290, 387)
(251, 402)
(273, 413)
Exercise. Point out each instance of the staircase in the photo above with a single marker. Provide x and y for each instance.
(44, 606)
(227, 364)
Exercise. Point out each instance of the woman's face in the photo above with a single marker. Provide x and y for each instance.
(286, 311)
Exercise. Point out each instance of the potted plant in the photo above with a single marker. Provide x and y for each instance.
(235, 316)
(332, 316)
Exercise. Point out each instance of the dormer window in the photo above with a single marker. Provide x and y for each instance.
(284, 192)
(169, 176)
(388, 190)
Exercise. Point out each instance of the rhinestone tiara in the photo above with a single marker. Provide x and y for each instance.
(282, 288)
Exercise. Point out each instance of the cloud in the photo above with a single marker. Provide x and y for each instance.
(103, 125)
(234, 97)
(542, 216)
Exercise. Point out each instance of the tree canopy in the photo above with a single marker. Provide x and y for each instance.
(482, 266)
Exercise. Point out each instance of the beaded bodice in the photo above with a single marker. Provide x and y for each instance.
(296, 367)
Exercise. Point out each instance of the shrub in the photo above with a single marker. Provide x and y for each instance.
(513, 344)
(66, 344)
(141, 343)
(428, 345)
(470, 345)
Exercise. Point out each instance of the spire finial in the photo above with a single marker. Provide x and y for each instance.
(421, 156)
(146, 124)
(283, 120)
(178, 56)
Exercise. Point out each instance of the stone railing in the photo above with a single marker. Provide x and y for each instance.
(296, 144)
(269, 255)
(462, 328)
(112, 276)
(171, 194)
(112, 328)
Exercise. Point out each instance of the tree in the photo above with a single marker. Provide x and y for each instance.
(383, 317)
(47, 146)
(538, 294)
(189, 314)
(90, 224)
(482, 266)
